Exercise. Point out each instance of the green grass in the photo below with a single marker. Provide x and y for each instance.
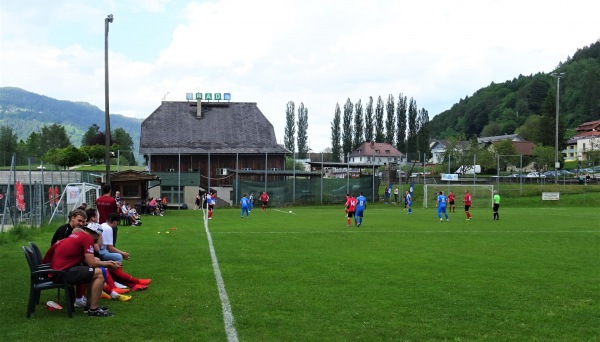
(533, 275)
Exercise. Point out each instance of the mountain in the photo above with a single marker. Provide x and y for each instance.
(27, 112)
(502, 108)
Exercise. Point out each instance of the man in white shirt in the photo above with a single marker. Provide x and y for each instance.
(108, 251)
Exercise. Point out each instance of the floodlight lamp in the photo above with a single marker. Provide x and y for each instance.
(110, 18)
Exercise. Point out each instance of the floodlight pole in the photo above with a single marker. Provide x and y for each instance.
(556, 164)
(107, 20)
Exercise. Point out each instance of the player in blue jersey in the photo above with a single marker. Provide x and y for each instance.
(408, 201)
(441, 206)
(250, 202)
(245, 202)
(361, 205)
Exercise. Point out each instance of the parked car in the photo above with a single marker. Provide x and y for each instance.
(549, 174)
(535, 175)
(517, 175)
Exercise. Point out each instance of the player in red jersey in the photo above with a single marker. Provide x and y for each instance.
(351, 208)
(467, 201)
(451, 202)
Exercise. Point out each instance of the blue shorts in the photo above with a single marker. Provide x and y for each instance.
(359, 213)
(441, 210)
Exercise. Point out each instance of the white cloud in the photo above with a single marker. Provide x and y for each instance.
(271, 52)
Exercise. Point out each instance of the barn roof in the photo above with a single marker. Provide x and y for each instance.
(223, 127)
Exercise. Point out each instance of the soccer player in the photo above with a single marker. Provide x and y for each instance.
(441, 206)
(210, 200)
(245, 202)
(467, 202)
(361, 205)
(106, 204)
(265, 200)
(351, 207)
(451, 202)
(408, 201)
(250, 202)
(496, 205)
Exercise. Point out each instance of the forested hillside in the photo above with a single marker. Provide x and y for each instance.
(27, 112)
(502, 108)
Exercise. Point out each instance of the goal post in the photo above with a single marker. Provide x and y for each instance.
(482, 195)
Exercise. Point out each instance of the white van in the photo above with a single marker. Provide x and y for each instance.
(468, 169)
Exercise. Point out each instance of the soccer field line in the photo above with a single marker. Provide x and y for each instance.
(228, 318)
(417, 232)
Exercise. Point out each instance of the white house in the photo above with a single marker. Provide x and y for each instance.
(376, 153)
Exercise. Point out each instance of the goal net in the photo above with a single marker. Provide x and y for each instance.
(75, 194)
(481, 194)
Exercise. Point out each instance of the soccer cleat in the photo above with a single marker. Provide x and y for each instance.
(104, 295)
(144, 281)
(86, 308)
(120, 291)
(123, 298)
(139, 287)
(100, 313)
(80, 302)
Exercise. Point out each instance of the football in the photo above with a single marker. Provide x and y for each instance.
(291, 212)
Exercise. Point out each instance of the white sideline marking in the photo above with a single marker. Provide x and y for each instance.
(228, 318)
(359, 231)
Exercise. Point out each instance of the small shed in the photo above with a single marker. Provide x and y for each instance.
(133, 185)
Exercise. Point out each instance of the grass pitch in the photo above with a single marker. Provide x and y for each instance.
(306, 276)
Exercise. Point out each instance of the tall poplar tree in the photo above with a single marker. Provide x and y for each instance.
(358, 125)
(302, 131)
(390, 121)
(412, 130)
(379, 135)
(401, 124)
(347, 129)
(290, 127)
(423, 133)
(336, 147)
(369, 120)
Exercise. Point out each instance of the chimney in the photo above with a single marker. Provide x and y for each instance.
(199, 109)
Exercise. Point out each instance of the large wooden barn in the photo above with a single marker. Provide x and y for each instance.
(208, 141)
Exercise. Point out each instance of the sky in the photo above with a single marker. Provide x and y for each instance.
(319, 53)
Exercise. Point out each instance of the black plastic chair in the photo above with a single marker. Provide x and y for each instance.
(38, 255)
(40, 281)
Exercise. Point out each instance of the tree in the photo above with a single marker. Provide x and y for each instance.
(65, 157)
(125, 149)
(358, 125)
(390, 121)
(423, 133)
(347, 129)
(94, 152)
(90, 137)
(530, 129)
(290, 128)
(401, 121)
(543, 156)
(491, 129)
(547, 129)
(369, 120)
(379, 136)
(53, 136)
(302, 131)
(412, 129)
(336, 147)
(8, 144)
(507, 153)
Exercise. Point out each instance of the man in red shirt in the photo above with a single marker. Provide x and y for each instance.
(68, 255)
(265, 200)
(467, 201)
(351, 208)
(106, 204)
(451, 202)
